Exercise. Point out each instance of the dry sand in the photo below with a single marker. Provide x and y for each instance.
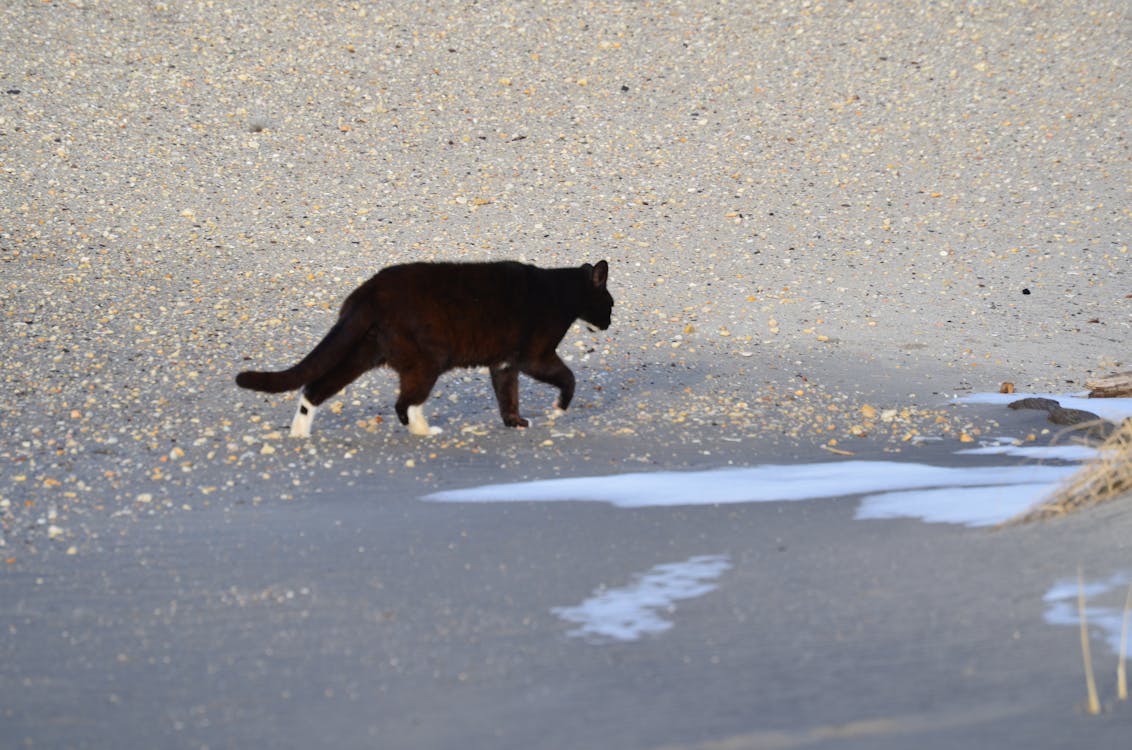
(805, 209)
(808, 208)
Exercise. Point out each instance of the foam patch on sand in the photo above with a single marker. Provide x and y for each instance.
(1002, 490)
(1061, 605)
(973, 496)
(1034, 452)
(629, 612)
(970, 506)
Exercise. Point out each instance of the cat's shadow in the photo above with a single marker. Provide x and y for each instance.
(463, 400)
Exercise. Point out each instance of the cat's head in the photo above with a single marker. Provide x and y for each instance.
(597, 304)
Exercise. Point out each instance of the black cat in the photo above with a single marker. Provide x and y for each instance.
(423, 319)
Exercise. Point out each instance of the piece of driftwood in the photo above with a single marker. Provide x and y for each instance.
(1117, 385)
(1086, 422)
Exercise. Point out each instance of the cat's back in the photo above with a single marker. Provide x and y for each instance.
(452, 283)
(451, 271)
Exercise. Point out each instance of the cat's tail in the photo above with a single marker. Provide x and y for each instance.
(343, 336)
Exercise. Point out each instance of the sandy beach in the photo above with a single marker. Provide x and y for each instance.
(825, 222)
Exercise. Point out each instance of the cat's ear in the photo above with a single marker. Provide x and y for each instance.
(599, 274)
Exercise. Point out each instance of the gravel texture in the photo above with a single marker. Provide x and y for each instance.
(807, 207)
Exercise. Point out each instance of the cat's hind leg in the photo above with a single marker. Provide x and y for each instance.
(304, 416)
(318, 391)
(416, 384)
(418, 423)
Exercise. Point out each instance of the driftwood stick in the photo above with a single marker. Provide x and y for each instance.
(1117, 385)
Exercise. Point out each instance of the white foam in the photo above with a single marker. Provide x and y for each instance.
(1061, 606)
(970, 506)
(1112, 409)
(629, 612)
(767, 483)
(1036, 452)
(976, 496)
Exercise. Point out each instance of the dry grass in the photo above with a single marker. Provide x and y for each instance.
(1121, 674)
(1106, 477)
(1094, 704)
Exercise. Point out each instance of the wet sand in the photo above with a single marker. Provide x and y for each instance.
(369, 618)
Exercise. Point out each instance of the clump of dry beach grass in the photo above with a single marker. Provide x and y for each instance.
(1104, 478)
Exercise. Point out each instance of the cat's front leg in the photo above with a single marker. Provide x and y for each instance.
(505, 381)
(553, 371)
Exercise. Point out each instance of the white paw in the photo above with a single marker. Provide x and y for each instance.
(304, 417)
(418, 425)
